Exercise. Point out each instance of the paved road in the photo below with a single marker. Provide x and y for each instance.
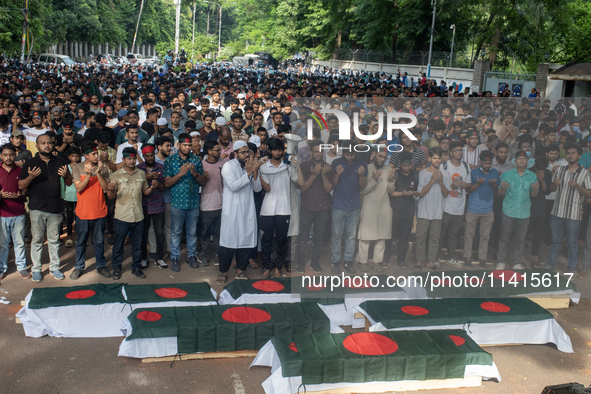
(65, 365)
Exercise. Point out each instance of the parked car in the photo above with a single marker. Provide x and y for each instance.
(135, 59)
(104, 58)
(120, 60)
(152, 60)
(52, 58)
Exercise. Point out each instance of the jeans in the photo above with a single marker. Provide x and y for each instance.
(486, 224)
(152, 238)
(13, 228)
(308, 218)
(42, 223)
(274, 227)
(211, 222)
(70, 215)
(450, 225)
(344, 222)
(587, 252)
(110, 214)
(433, 229)
(401, 230)
(570, 229)
(178, 217)
(134, 230)
(507, 225)
(83, 229)
(537, 229)
(157, 219)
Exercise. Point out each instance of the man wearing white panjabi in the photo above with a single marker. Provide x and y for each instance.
(239, 226)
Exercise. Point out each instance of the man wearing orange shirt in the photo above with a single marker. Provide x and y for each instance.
(91, 178)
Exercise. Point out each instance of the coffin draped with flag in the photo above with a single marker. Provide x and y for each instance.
(337, 303)
(330, 361)
(489, 321)
(181, 330)
(98, 310)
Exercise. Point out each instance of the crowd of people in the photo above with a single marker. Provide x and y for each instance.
(235, 164)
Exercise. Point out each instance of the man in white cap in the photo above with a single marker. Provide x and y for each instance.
(220, 122)
(239, 226)
(242, 100)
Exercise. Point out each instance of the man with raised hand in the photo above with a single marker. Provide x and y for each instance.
(90, 179)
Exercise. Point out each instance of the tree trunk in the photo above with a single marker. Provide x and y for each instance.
(394, 39)
(481, 41)
(339, 38)
(494, 47)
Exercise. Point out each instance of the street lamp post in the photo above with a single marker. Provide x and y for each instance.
(434, 4)
(452, 43)
(220, 29)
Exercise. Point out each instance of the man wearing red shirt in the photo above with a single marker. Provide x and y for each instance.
(12, 213)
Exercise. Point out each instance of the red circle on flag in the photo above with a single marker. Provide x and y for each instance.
(508, 275)
(246, 315)
(494, 307)
(80, 294)
(438, 282)
(315, 287)
(269, 286)
(149, 316)
(293, 347)
(370, 344)
(414, 310)
(171, 292)
(459, 341)
(357, 282)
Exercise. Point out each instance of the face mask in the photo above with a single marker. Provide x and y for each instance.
(520, 134)
(528, 154)
(575, 128)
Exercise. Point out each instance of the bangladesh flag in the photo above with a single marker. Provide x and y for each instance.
(48, 297)
(84, 311)
(277, 289)
(484, 284)
(227, 327)
(378, 356)
(395, 314)
(193, 293)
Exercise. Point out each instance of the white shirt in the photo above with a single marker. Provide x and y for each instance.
(456, 200)
(124, 145)
(276, 201)
(239, 219)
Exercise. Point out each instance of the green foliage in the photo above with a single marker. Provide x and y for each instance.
(515, 34)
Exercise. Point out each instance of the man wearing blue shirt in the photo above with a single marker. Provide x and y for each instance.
(183, 174)
(348, 176)
(485, 181)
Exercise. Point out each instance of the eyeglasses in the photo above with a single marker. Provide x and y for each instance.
(244, 152)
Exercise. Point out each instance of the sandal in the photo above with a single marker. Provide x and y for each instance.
(385, 266)
(253, 263)
(434, 266)
(266, 274)
(69, 243)
(417, 268)
(277, 273)
(287, 266)
(222, 279)
(377, 266)
(241, 275)
(403, 266)
(365, 267)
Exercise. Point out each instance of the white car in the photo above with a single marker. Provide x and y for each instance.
(52, 58)
(136, 59)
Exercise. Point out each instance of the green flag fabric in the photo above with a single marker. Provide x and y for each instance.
(220, 328)
(94, 88)
(187, 292)
(277, 286)
(378, 356)
(437, 312)
(96, 294)
(498, 283)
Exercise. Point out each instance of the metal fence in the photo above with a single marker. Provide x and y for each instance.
(415, 58)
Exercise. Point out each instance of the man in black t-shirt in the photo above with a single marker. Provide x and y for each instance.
(402, 201)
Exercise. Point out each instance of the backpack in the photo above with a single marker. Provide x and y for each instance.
(463, 162)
